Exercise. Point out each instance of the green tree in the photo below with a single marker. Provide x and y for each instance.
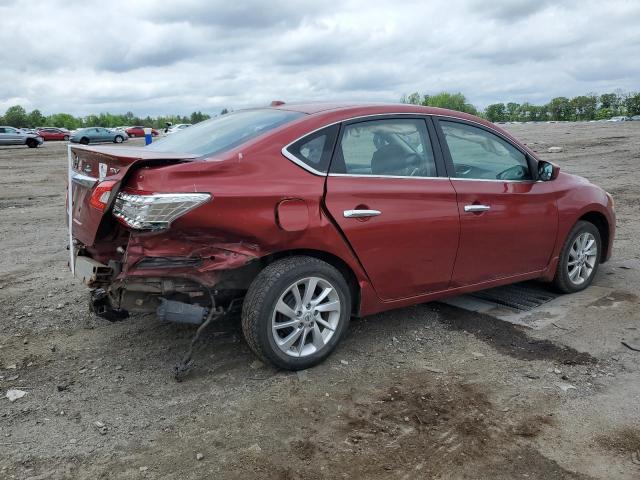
(496, 112)
(413, 99)
(513, 110)
(632, 103)
(611, 101)
(35, 119)
(64, 120)
(224, 111)
(560, 108)
(452, 101)
(197, 117)
(16, 116)
(584, 107)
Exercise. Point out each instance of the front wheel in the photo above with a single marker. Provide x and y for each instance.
(296, 311)
(118, 139)
(31, 143)
(579, 258)
(84, 141)
(66, 138)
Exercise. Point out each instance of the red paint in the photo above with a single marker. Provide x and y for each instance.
(424, 246)
(292, 215)
(139, 131)
(49, 134)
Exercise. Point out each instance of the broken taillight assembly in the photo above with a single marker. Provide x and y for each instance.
(155, 211)
(100, 194)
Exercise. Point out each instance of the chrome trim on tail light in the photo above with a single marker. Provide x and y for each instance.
(155, 211)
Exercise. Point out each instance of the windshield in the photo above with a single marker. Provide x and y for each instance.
(224, 132)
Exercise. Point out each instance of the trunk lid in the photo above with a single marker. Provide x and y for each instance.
(92, 165)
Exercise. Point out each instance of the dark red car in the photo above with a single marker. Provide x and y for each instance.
(307, 215)
(139, 131)
(50, 133)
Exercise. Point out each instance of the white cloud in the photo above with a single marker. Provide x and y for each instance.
(150, 57)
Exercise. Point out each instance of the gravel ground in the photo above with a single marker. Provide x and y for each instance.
(429, 391)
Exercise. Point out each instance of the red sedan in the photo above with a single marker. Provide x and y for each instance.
(49, 134)
(307, 215)
(139, 131)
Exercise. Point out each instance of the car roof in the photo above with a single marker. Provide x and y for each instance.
(311, 108)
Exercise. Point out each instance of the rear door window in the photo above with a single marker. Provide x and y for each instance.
(389, 147)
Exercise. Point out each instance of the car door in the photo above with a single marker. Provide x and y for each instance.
(11, 136)
(386, 193)
(94, 135)
(508, 221)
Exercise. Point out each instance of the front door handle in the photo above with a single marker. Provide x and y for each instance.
(361, 213)
(476, 208)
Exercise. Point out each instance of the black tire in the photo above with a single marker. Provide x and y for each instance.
(118, 139)
(562, 281)
(264, 293)
(66, 138)
(84, 141)
(31, 143)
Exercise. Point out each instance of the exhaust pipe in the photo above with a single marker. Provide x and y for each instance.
(180, 312)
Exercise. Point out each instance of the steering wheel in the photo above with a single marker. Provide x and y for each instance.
(414, 167)
(517, 172)
(462, 170)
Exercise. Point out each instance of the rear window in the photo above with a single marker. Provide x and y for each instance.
(224, 132)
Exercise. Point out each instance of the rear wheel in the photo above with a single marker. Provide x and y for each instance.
(32, 143)
(66, 138)
(579, 258)
(296, 311)
(84, 141)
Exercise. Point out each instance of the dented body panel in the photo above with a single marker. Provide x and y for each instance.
(264, 206)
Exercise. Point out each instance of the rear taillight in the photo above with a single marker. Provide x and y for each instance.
(155, 211)
(100, 194)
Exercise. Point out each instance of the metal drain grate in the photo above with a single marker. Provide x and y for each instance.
(519, 296)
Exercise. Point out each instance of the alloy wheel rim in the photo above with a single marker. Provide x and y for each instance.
(582, 258)
(306, 316)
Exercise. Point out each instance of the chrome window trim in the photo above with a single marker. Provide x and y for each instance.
(491, 180)
(364, 175)
(285, 152)
(299, 162)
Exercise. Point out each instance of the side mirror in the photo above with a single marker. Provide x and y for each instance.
(547, 171)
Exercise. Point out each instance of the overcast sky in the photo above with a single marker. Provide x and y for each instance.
(156, 57)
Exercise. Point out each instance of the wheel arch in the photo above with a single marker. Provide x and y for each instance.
(333, 260)
(602, 224)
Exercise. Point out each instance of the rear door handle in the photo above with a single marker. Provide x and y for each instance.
(361, 213)
(476, 208)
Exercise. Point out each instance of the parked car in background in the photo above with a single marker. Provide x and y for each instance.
(635, 118)
(620, 118)
(139, 131)
(50, 133)
(97, 135)
(16, 136)
(177, 128)
(310, 214)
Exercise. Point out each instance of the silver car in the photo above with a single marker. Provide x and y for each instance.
(15, 136)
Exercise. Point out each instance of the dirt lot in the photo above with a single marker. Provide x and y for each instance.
(424, 392)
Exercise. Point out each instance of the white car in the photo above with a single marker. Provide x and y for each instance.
(618, 119)
(178, 127)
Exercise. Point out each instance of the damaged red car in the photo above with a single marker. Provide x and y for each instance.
(302, 216)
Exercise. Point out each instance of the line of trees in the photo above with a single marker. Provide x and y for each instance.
(580, 108)
(17, 116)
